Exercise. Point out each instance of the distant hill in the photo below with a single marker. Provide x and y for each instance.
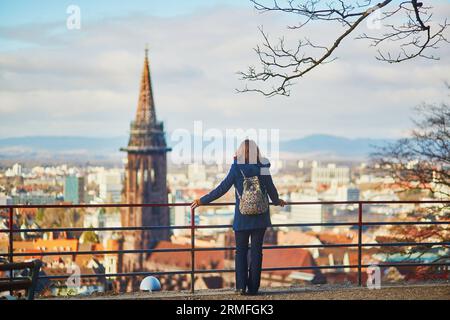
(54, 149)
(91, 149)
(61, 143)
(320, 145)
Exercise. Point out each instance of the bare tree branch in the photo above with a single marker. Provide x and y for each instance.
(281, 65)
(422, 161)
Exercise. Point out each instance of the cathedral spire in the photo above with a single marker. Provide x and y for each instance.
(146, 133)
(146, 106)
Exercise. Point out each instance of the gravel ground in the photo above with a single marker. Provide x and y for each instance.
(392, 293)
(435, 291)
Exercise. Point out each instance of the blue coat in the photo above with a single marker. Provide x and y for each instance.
(234, 177)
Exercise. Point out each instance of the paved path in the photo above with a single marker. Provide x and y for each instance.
(439, 291)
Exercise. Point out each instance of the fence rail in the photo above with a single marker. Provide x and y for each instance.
(360, 224)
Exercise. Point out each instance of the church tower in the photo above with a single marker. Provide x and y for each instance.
(145, 179)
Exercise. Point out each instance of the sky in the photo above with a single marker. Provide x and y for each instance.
(84, 82)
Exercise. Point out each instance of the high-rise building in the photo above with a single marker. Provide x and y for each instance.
(110, 185)
(145, 180)
(74, 189)
(15, 171)
(353, 194)
(5, 200)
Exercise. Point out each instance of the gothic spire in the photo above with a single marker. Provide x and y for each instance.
(146, 106)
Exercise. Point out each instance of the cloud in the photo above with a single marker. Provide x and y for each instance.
(86, 82)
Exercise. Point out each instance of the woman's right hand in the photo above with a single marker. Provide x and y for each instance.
(196, 203)
(281, 203)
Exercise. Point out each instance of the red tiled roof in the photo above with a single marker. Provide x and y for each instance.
(182, 260)
(274, 258)
(296, 237)
(330, 238)
(27, 211)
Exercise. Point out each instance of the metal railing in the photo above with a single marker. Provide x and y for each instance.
(360, 224)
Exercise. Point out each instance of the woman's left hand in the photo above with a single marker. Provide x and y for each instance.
(196, 203)
(282, 203)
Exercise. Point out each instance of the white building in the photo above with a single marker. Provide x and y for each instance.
(309, 213)
(5, 200)
(15, 171)
(330, 174)
(216, 216)
(340, 193)
(181, 218)
(110, 185)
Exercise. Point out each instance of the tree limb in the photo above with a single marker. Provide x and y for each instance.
(280, 66)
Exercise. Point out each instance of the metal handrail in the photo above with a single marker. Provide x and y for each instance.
(359, 245)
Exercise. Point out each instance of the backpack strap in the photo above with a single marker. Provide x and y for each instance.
(243, 175)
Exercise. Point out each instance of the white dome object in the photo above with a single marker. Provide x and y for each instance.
(150, 284)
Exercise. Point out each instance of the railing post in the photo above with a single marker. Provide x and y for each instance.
(192, 250)
(11, 244)
(360, 225)
(11, 235)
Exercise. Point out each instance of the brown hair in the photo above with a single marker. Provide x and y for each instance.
(248, 152)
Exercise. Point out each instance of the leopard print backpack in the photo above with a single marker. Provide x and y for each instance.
(253, 200)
